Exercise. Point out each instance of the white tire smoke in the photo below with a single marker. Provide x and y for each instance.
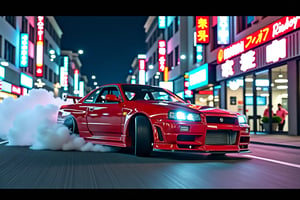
(31, 121)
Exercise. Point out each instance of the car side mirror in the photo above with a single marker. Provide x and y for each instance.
(112, 98)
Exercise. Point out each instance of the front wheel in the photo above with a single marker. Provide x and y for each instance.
(143, 136)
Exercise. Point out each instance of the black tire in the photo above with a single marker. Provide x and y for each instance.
(143, 136)
(72, 125)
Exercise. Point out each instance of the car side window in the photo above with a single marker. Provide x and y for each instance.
(105, 91)
(92, 97)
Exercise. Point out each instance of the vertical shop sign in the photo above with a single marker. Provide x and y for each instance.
(64, 73)
(223, 29)
(202, 29)
(142, 71)
(161, 22)
(162, 55)
(76, 81)
(40, 46)
(24, 50)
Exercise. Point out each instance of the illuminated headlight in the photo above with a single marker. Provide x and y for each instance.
(242, 119)
(184, 116)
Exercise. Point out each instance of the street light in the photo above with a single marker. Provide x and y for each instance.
(93, 77)
(80, 51)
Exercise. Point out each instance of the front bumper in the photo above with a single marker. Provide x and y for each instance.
(192, 136)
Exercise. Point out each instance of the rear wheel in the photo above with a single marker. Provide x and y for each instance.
(143, 136)
(72, 125)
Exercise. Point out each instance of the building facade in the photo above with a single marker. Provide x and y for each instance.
(242, 63)
(30, 57)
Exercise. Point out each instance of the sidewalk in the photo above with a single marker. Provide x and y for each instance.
(276, 140)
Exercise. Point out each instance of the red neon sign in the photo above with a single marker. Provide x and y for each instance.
(278, 28)
(162, 55)
(142, 64)
(202, 29)
(15, 89)
(40, 46)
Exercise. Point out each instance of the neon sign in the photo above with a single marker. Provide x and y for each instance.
(142, 71)
(202, 29)
(24, 50)
(40, 46)
(198, 77)
(2, 72)
(15, 89)
(26, 80)
(76, 81)
(223, 30)
(247, 61)
(276, 50)
(161, 22)
(227, 68)
(162, 55)
(278, 28)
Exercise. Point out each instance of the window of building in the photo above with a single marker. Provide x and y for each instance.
(244, 22)
(31, 33)
(46, 72)
(234, 91)
(0, 46)
(177, 58)
(50, 75)
(10, 52)
(11, 20)
(214, 40)
(170, 31)
(280, 91)
(170, 62)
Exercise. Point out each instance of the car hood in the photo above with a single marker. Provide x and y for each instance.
(202, 109)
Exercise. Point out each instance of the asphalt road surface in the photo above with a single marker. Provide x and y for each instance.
(265, 167)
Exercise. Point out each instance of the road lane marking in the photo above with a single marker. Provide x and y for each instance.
(3, 142)
(274, 161)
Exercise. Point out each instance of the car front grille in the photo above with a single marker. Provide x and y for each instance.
(221, 120)
(220, 137)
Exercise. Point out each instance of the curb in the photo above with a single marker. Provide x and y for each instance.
(275, 144)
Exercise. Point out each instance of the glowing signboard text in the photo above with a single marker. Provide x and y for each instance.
(202, 29)
(24, 50)
(162, 55)
(40, 46)
(278, 28)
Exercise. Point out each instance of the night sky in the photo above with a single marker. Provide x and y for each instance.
(110, 44)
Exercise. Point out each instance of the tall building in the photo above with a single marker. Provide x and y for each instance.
(25, 46)
(72, 81)
(31, 57)
(242, 63)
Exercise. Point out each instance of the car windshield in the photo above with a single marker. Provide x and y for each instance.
(141, 92)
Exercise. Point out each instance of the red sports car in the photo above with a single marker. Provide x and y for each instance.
(144, 118)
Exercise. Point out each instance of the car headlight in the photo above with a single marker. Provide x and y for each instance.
(184, 116)
(242, 119)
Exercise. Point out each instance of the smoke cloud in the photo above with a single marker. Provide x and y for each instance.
(31, 121)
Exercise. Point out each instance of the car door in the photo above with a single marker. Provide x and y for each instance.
(103, 117)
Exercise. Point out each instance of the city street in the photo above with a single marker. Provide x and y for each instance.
(265, 167)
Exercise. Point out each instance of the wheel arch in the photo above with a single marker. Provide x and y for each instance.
(130, 128)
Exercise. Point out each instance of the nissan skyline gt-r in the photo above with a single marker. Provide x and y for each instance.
(143, 118)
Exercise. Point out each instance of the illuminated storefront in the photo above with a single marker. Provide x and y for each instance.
(260, 71)
(200, 82)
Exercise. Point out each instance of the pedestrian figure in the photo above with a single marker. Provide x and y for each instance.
(266, 112)
(281, 112)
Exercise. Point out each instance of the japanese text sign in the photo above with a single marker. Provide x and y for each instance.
(202, 29)
(162, 55)
(40, 46)
(278, 28)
